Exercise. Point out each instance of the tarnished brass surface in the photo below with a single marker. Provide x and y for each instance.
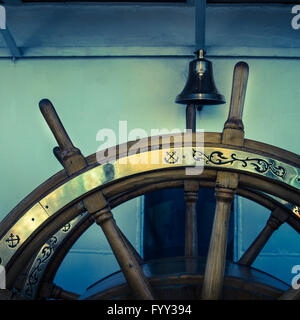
(200, 88)
(23, 228)
(44, 256)
(296, 211)
(135, 164)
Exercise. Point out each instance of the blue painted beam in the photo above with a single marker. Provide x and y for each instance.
(12, 2)
(11, 44)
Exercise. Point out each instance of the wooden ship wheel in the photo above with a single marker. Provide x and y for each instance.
(38, 233)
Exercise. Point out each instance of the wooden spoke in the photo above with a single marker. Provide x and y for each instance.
(215, 265)
(191, 189)
(58, 156)
(290, 294)
(130, 247)
(127, 261)
(69, 156)
(233, 132)
(97, 206)
(277, 218)
(233, 165)
(55, 125)
(6, 294)
(52, 291)
(226, 184)
(60, 293)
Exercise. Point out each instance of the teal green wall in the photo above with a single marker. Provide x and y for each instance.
(90, 94)
(140, 86)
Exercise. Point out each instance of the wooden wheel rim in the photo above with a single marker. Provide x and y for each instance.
(113, 188)
(230, 161)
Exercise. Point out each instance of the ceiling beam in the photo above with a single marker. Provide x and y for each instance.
(190, 2)
(257, 2)
(7, 36)
(11, 44)
(12, 2)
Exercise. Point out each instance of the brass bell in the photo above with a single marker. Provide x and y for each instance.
(200, 88)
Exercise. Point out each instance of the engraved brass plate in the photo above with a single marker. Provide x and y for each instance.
(23, 228)
(137, 164)
(44, 257)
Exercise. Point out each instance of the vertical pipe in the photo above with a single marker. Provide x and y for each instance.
(200, 21)
(191, 117)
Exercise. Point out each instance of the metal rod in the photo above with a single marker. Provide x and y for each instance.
(200, 22)
(191, 117)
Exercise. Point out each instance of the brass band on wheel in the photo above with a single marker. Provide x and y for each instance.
(98, 176)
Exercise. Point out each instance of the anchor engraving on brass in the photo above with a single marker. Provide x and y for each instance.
(90, 180)
(12, 240)
(171, 157)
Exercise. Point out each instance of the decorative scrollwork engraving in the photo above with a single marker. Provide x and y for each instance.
(33, 277)
(296, 211)
(259, 165)
(66, 227)
(44, 257)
